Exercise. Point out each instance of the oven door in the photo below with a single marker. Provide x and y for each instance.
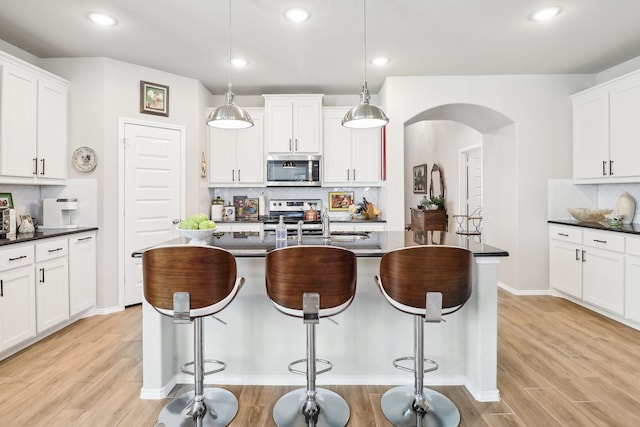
(293, 171)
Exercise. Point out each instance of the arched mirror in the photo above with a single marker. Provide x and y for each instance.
(436, 186)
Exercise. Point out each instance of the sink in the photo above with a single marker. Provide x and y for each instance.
(336, 236)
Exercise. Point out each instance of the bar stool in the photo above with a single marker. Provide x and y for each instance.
(189, 283)
(311, 282)
(426, 282)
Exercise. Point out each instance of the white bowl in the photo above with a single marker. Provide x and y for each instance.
(197, 236)
(589, 215)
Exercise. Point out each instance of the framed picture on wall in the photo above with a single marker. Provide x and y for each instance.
(340, 200)
(154, 99)
(6, 200)
(420, 178)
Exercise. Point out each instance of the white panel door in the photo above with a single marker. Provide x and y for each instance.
(153, 173)
(474, 181)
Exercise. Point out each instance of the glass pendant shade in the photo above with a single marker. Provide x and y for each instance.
(229, 116)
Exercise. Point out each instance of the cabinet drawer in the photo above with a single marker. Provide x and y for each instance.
(566, 234)
(51, 249)
(604, 240)
(633, 246)
(16, 257)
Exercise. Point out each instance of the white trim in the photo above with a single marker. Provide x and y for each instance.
(158, 393)
(108, 310)
(528, 292)
(122, 122)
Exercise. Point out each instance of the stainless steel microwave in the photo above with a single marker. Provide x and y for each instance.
(293, 171)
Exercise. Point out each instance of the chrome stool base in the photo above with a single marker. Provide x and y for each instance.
(221, 405)
(334, 411)
(397, 406)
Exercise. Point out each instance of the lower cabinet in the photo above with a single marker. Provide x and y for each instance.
(52, 283)
(43, 284)
(357, 226)
(632, 279)
(17, 296)
(589, 265)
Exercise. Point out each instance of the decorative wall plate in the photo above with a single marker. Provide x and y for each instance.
(84, 159)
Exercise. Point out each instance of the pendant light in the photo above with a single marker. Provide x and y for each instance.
(365, 115)
(229, 116)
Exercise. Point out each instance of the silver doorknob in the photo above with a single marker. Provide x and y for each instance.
(175, 221)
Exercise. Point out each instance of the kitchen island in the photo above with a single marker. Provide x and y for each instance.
(258, 342)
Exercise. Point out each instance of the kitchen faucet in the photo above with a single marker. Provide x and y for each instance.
(300, 231)
(326, 229)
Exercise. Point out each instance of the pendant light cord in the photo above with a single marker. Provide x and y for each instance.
(229, 51)
(364, 41)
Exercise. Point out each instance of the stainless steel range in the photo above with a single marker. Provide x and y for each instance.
(293, 211)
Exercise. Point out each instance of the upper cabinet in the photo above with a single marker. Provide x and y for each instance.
(605, 132)
(33, 124)
(351, 156)
(236, 157)
(293, 124)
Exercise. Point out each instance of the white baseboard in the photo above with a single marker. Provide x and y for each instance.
(108, 310)
(158, 393)
(519, 292)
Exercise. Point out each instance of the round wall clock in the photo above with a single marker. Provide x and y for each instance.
(84, 159)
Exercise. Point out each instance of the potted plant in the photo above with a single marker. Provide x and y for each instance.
(436, 202)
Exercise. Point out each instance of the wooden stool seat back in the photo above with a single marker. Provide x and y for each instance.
(329, 271)
(207, 273)
(407, 274)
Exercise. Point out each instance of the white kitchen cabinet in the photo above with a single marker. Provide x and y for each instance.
(603, 270)
(52, 283)
(588, 265)
(346, 226)
(293, 124)
(632, 278)
(605, 132)
(82, 272)
(236, 157)
(17, 295)
(351, 157)
(565, 260)
(33, 124)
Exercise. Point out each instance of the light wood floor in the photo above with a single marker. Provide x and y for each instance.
(559, 365)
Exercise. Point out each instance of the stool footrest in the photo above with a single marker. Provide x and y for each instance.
(318, 372)
(222, 367)
(397, 365)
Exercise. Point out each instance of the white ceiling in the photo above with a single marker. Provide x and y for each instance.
(324, 54)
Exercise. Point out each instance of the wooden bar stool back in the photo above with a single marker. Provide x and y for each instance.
(188, 283)
(311, 282)
(426, 282)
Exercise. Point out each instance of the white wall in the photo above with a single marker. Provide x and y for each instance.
(541, 109)
(102, 91)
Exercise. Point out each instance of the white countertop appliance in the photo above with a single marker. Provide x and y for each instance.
(293, 210)
(8, 218)
(59, 213)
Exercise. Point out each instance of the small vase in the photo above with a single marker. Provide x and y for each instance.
(626, 206)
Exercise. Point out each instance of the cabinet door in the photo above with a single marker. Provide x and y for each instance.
(52, 292)
(307, 131)
(82, 272)
(365, 156)
(336, 149)
(603, 279)
(591, 135)
(52, 129)
(624, 105)
(17, 306)
(565, 267)
(250, 152)
(222, 157)
(632, 288)
(18, 121)
(279, 126)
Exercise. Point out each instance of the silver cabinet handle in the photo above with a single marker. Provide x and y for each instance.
(563, 235)
(290, 147)
(604, 164)
(610, 167)
(584, 258)
(577, 254)
(1, 288)
(239, 175)
(55, 250)
(17, 258)
(91, 237)
(233, 175)
(42, 161)
(296, 144)
(35, 166)
(42, 275)
(175, 221)
(600, 241)
(354, 174)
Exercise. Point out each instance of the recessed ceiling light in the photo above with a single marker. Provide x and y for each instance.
(102, 19)
(239, 62)
(297, 14)
(546, 13)
(380, 60)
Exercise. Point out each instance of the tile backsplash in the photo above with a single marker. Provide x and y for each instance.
(564, 194)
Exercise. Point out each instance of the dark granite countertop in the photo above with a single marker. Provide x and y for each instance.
(43, 234)
(376, 245)
(624, 228)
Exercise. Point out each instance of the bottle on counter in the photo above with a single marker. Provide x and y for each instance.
(281, 233)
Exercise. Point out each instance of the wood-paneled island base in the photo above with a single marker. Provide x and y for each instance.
(258, 342)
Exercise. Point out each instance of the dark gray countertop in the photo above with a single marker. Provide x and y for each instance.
(378, 243)
(625, 228)
(43, 234)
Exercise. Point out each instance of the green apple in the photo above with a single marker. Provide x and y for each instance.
(199, 217)
(187, 224)
(206, 225)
